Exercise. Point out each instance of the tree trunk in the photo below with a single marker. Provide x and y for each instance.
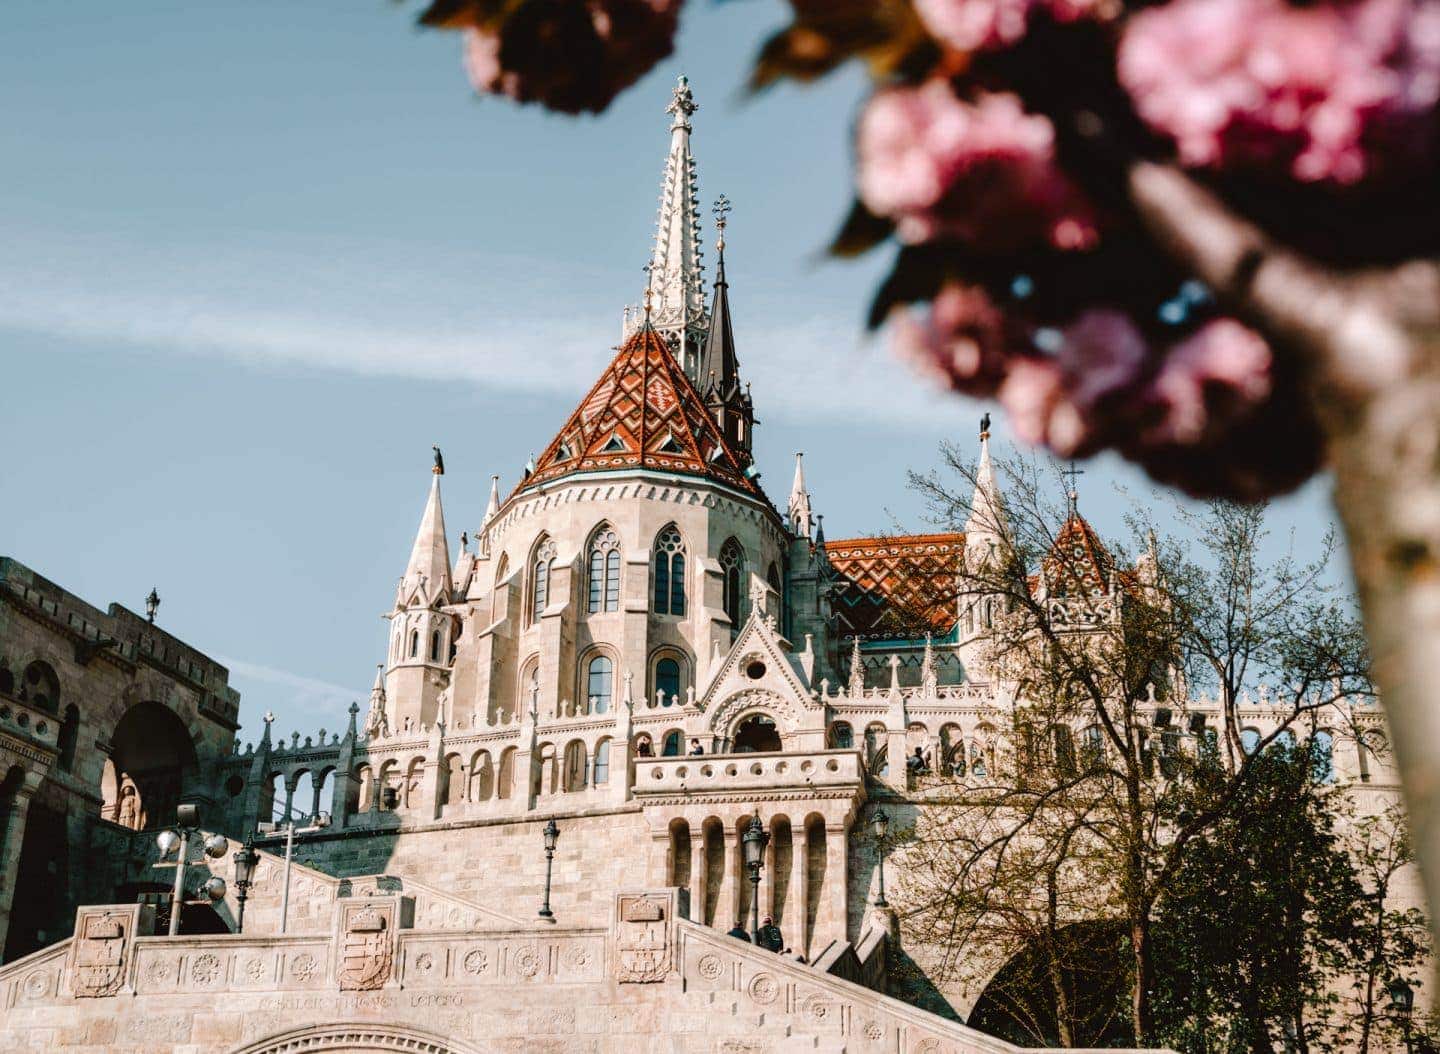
(1370, 354)
(1144, 981)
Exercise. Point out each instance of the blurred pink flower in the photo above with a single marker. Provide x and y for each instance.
(1328, 92)
(570, 55)
(981, 172)
(959, 341)
(1206, 380)
(973, 25)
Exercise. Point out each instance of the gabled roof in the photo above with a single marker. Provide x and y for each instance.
(1078, 560)
(899, 587)
(643, 412)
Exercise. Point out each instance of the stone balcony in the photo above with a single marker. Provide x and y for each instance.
(726, 777)
(37, 727)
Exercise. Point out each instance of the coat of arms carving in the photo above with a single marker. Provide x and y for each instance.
(642, 937)
(366, 954)
(98, 959)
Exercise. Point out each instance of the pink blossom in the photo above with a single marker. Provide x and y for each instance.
(973, 25)
(982, 172)
(570, 55)
(1328, 92)
(959, 341)
(1219, 372)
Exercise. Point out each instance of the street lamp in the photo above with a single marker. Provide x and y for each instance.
(322, 821)
(152, 604)
(754, 842)
(880, 823)
(245, 860)
(1402, 1005)
(552, 835)
(178, 841)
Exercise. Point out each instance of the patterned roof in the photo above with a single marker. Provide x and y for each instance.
(900, 587)
(643, 412)
(1077, 556)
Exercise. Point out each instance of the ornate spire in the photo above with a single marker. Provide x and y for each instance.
(726, 400)
(377, 724)
(987, 510)
(857, 671)
(798, 508)
(675, 277)
(429, 567)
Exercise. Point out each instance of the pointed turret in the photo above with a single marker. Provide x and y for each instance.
(987, 509)
(377, 724)
(725, 397)
(676, 275)
(798, 509)
(428, 571)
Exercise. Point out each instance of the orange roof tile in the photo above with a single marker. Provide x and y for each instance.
(1077, 555)
(643, 412)
(900, 586)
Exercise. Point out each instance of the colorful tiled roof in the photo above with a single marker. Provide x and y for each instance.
(899, 587)
(1077, 558)
(643, 412)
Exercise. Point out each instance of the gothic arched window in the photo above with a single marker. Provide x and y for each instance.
(41, 687)
(732, 566)
(669, 573)
(435, 646)
(414, 643)
(604, 571)
(600, 684)
(541, 566)
(667, 680)
(602, 762)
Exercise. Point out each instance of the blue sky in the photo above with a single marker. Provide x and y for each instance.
(256, 258)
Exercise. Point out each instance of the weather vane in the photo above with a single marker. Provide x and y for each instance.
(649, 270)
(721, 210)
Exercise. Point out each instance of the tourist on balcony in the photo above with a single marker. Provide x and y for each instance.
(770, 936)
(644, 750)
(695, 748)
(738, 932)
(918, 762)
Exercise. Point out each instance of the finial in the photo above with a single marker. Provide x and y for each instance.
(721, 210)
(269, 718)
(683, 103)
(985, 425)
(1074, 495)
(439, 468)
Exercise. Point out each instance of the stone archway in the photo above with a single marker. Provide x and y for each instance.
(357, 1038)
(152, 756)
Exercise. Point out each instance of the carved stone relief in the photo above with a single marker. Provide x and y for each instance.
(367, 949)
(644, 936)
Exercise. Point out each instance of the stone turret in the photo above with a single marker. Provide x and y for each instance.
(421, 632)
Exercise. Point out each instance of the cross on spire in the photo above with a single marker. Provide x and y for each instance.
(1072, 493)
(721, 210)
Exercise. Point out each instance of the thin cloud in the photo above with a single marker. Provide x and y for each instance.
(372, 311)
(301, 699)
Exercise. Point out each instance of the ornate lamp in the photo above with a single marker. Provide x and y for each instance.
(245, 860)
(880, 824)
(1402, 1005)
(551, 835)
(753, 843)
(152, 604)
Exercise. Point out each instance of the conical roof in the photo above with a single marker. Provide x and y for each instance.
(643, 412)
(1078, 562)
(429, 566)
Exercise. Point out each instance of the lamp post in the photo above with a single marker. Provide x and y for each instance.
(245, 860)
(552, 835)
(322, 821)
(754, 842)
(152, 605)
(1402, 1005)
(880, 823)
(187, 825)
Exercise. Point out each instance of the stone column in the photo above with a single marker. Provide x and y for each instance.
(316, 781)
(290, 784)
(699, 865)
(796, 906)
(837, 886)
(727, 904)
(767, 876)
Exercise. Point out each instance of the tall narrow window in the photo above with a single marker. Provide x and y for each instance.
(604, 572)
(667, 681)
(601, 682)
(532, 690)
(540, 569)
(414, 643)
(435, 646)
(602, 762)
(671, 748)
(669, 573)
(732, 566)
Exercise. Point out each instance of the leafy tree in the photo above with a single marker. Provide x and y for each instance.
(1101, 667)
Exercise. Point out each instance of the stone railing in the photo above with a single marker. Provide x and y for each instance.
(751, 773)
(29, 722)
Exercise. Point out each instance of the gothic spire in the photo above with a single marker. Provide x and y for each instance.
(719, 369)
(676, 275)
(798, 508)
(429, 567)
(987, 508)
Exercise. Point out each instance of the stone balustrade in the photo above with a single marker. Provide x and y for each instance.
(29, 722)
(754, 774)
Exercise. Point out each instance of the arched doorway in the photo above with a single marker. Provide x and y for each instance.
(756, 734)
(1020, 1005)
(359, 1038)
(151, 758)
